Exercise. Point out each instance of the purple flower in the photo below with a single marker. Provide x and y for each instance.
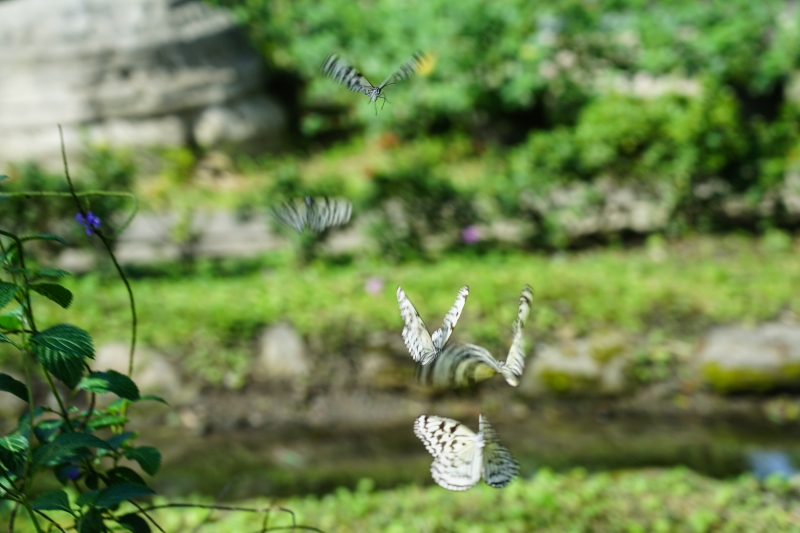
(91, 221)
(374, 285)
(471, 234)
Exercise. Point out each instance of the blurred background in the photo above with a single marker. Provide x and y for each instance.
(637, 163)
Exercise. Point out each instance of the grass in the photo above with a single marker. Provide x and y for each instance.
(653, 501)
(678, 288)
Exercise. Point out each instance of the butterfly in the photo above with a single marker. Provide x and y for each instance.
(317, 213)
(461, 457)
(423, 346)
(463, 365)
(343, 72)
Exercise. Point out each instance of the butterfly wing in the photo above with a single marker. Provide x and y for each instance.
(459, 365)
(412, 65)
(343, 72)
(293, 214)
(327, 212)
(515, 362)
(441, 335)
(415, 333)
(457, 459)
(499, 466)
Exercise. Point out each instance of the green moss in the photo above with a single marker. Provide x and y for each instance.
(729, 380)
(563, 382)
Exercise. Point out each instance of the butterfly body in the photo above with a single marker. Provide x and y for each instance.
(464, 365)
(461, 457)
(424, 347)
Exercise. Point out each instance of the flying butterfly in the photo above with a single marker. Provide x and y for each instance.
(316, 213)
(423, 346)
(461, 457)
(463, 365)
(343, 72)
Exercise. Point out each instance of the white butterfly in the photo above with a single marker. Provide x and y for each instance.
(461, 457)
(423, 346)
(317, 213)
(343, 72)
(462, 365)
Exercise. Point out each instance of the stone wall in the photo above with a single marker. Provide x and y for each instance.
(132, 73)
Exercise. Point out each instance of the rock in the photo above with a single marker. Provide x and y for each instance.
(281, 355)
(581, 366)
(751, 359)
(140, 72)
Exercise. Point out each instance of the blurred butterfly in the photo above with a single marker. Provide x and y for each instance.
(423, 346)
(463, 365)
(343, 72)
(316, 213)
(461, 457)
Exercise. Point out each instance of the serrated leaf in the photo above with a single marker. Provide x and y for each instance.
(13, 453)
(134, 523)
(105, 421)
(119, 493)
(65, 444)
(43, 237)
(51, 273)
(65, 338)
(54, 292)
(46, 429)
(87, 498)
(15, 387)
(61, 350)
(55, 500)
(110, 381)
(148, 458)
(154, 398)
(123, 474)
(115, 441)
(7, 292)
(4, 339)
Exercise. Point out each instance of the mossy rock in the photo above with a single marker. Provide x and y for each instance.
(728, 380)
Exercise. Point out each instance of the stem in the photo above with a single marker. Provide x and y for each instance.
(32, 514)
(64, 413)
(108, 248)
(12, 518)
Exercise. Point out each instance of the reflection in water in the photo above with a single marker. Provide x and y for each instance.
(765, 463)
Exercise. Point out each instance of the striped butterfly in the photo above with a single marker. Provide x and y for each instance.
(316, 213)
(463, 365)
(343, 72)
(423, 346)
(461, 457)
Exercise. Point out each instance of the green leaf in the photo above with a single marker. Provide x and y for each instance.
(11, 319)
(110, 381)
(134, 523)
(54, 292)
(7, 292)
(105, 421)
(3, 177)
(115, 441)
(92, 522)
(43, 237)
(4, 339)
(55, 500)
(61, 350)
(148, 458)
(87, 498)
(17, 388)
(154, 398)
(65, 444)
(51, 273)
(123, 474)
(119, 493)
(13, 451)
